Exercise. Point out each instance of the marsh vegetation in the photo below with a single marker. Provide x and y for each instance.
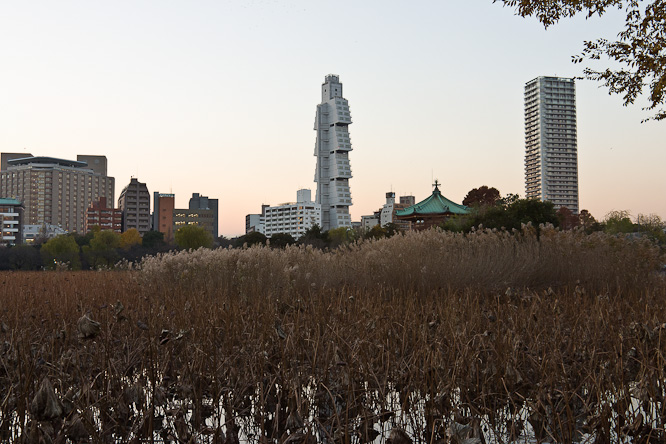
(426, 337)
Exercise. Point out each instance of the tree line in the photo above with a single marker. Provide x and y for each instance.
(101, 249)
(98, 249)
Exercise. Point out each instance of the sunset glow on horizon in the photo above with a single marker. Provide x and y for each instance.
(219, 98)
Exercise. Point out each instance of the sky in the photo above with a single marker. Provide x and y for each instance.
(219, 98)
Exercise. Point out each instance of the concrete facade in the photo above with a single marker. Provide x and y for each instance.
(252, 223)
(55, 191)
(205, 218)
(163, 206)
(107, 218)
(199, 202)
(332, 149)
(134, 203)
(33, 232)
(551, 146)
(291, 218)
(11, 222)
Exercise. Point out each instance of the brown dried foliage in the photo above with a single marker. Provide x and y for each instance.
(411, 338)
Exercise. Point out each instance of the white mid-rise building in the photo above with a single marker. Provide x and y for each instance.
(293, 218)
(11, 214)
(551, 148)
(331, 149)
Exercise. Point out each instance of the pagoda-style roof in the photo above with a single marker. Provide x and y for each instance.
(435, 204)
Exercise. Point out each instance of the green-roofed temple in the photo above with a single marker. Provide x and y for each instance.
(432, 211)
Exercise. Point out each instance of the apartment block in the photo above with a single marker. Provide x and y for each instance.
(134, 203)
(291, 218)
(99, 213)
(55, 191)
(551, 147)
(11, 222)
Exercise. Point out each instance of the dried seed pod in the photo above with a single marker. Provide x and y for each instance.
(45, 405)
(142, 325)
(294, 421)
(87, 327)
(75, 430)
(118, 309)
(398, 436)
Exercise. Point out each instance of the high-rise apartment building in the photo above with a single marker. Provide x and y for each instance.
(54, 191)
(134, 202)
(332, 147)
(551, 148)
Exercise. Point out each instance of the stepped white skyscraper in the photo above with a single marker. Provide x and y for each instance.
(331, 149)
(551, 148)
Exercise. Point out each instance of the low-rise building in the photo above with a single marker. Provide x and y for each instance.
(32, 232)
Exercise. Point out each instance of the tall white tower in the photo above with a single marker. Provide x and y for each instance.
(331, 149)
(551, 148)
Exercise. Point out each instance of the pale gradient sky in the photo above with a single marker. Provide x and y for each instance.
(219, 98)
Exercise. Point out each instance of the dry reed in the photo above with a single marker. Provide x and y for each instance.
(503, 336)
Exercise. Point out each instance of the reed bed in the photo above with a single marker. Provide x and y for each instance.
(428, 337)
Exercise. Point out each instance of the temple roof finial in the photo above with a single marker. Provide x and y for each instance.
(436, 185)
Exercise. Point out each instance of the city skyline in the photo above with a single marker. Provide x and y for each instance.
(218, 99)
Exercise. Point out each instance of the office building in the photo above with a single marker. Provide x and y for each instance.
(163, 206)
(551, 148)
(332, 149)
(291, 218)
(205, 218)
(55, 191)
(134, 203)
(11, 222)
(107, 218)
(198, 202)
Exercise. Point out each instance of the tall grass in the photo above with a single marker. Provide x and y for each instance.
(420, 261)
(433, 335)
